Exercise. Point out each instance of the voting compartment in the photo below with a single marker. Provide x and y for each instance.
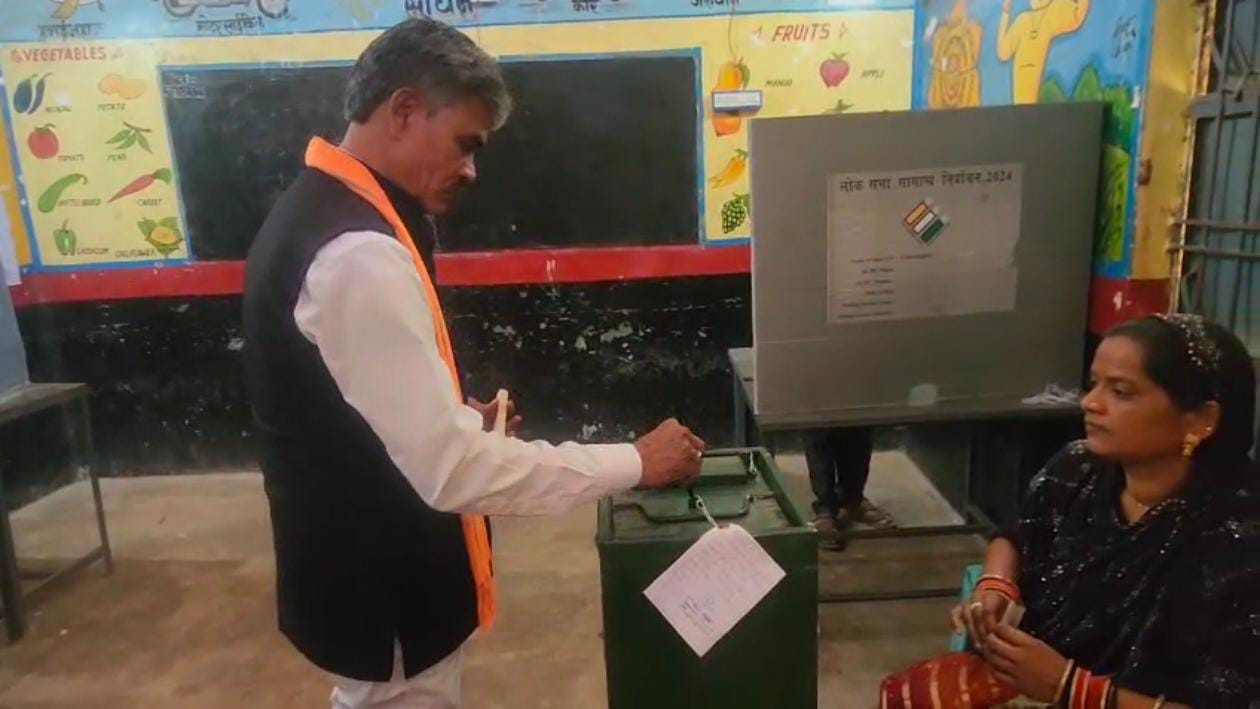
(769, 658)
(923, 258)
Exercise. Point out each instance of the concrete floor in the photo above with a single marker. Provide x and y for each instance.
(187, 619)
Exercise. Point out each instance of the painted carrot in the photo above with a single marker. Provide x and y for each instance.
(142, 183)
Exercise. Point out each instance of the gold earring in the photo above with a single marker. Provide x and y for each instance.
(1189, 445)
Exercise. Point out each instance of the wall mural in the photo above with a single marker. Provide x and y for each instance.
(90, 141)
(999, 52)
(37, 20)
(93, 147)
(1024, 41)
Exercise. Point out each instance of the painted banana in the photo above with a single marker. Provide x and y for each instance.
(66, 10)
(733, 171)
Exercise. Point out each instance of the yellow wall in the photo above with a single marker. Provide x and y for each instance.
(89, 110)
(9, 198)
(876, 46)
(1166, 133)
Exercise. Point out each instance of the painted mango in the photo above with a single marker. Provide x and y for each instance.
(732, 76)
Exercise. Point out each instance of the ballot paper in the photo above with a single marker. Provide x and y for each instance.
(1014, 615)
(713, 585)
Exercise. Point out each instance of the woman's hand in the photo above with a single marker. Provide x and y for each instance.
(1024, 662)
(979, 616)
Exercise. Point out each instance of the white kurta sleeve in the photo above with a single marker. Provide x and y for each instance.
(363, 306)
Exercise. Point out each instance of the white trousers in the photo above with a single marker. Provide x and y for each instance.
(435, 688)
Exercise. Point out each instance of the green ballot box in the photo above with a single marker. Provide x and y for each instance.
(770, 658)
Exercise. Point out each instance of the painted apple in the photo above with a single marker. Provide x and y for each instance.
(43, 142)
(834, 70)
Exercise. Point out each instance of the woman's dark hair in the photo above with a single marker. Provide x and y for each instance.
(1196, 361)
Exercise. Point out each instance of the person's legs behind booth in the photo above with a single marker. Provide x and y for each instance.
(839, 462)
(821, 461)
(852, 449)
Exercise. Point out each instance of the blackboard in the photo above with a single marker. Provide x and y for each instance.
(238, 136)
(600, 151)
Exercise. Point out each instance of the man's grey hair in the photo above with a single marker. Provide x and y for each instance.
(437, 60)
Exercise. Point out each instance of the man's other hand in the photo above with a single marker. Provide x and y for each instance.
(671, 454)
(489, 410)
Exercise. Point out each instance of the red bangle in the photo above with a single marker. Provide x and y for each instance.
(999, 585)
(1096, 693)
(1080, 687)
(1059, 692)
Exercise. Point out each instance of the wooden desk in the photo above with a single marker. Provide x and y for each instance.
(26, 401)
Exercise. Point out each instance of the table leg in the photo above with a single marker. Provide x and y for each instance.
(973, 453)
(10, 579)
(88, 451)
(741, 412)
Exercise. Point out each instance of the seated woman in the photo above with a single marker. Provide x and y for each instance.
(1137, 552)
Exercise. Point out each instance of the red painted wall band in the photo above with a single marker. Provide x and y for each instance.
(1113, 300)
(1116, 300)
(210, 278)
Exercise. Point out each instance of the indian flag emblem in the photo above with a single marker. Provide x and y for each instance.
(925, 222)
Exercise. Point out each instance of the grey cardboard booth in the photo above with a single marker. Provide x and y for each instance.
(921, 259)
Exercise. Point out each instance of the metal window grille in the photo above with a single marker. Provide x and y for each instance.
(1217, 258)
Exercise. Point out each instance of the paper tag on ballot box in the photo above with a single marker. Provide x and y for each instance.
(713, 585)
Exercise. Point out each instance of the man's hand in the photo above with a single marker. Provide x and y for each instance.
(488, 412)
(1024, 662)
(670, 454)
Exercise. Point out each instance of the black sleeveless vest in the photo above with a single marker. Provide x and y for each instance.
(360, 559)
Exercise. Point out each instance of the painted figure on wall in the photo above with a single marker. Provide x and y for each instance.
(956, 61)
(185, 8)
(363, 10)
(1026, 39)
(65, 9)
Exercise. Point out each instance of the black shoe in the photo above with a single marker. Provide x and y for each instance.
(865, 512)
(829, 536)
(825, 524)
